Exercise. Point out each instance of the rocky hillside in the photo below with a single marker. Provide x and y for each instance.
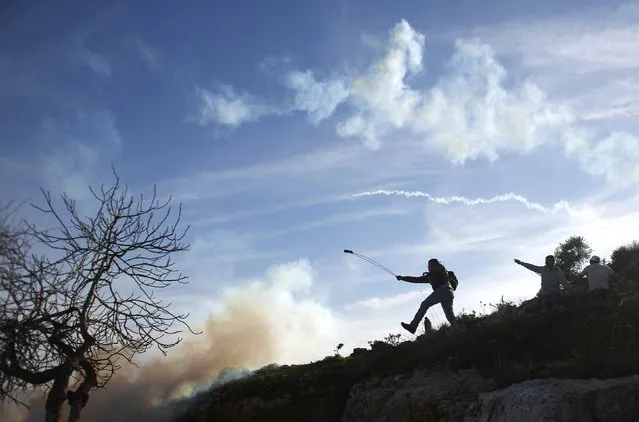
(517, 363)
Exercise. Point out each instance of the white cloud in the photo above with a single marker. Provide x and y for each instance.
(380, 98)
(617, 156)
(469, 113)
(593, 48)
(229, 108)
(318, 99)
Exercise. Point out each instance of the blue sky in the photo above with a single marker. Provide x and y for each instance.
(265, 120)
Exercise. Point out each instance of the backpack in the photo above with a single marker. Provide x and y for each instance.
(452, 278)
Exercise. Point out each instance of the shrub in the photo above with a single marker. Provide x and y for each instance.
(625, 260)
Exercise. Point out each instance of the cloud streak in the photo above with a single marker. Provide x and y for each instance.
(337, 219)
(75, 152)
(229, 108)
(147, 53)
(559, 206)
(586, 41)
(98, 63)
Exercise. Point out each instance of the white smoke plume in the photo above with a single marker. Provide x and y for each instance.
(559, 206)
(473, 110)
(270, 320)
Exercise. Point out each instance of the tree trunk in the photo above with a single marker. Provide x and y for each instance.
(78, 398)
(55, 399)
(77, 401)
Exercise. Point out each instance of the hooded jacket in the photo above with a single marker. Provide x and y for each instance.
(434, 279)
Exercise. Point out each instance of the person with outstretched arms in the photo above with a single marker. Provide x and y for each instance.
(553, 280)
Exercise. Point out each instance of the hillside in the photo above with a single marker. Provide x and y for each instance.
(440, 374)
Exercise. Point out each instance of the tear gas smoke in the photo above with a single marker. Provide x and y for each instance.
(263, 322)
(559, 206)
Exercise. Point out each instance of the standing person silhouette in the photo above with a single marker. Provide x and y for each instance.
(599, 277)
(553, 280)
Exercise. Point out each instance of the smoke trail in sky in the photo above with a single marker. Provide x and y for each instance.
(561, 205)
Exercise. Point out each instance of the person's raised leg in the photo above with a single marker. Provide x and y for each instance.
(432, 299)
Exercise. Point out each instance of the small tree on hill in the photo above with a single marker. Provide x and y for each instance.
(571, 255)
(625, 261)
(90, 302)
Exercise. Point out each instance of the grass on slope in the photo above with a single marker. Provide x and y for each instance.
(512, 344)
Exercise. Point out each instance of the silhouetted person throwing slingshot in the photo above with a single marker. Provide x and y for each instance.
(440, 280)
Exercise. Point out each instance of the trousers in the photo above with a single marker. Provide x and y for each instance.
(443, 296)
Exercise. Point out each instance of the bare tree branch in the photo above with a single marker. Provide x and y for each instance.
(91, 301)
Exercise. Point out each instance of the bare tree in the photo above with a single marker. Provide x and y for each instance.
(71, 316)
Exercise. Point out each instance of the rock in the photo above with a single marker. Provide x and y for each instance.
(560, 401)
(435, 395)
(445, 396)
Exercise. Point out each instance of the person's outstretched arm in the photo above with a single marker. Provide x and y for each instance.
(412, 279)
(531, 267)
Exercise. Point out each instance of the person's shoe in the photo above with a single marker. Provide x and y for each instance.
(410, 328)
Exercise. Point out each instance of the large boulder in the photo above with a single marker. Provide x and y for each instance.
(556, 400)
(446, 396)
(437, 395)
